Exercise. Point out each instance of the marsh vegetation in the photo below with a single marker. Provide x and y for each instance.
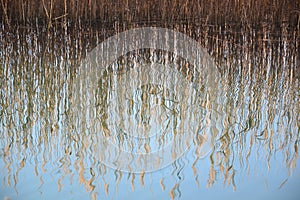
(45, 149)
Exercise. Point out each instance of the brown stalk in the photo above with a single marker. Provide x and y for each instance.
(4, 7)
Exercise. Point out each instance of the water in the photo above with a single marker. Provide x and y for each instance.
(236, 137)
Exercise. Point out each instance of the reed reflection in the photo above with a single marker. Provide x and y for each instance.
(255, 112)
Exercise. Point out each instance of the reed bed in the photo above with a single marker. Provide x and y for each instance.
(99, 12)
(255, 44)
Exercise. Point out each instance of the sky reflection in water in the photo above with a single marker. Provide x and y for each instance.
(46, 153)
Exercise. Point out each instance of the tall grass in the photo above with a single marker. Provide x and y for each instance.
(98, 12)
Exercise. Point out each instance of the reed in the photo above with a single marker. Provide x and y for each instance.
(98, 12)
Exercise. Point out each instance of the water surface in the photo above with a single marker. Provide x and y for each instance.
(50, 150)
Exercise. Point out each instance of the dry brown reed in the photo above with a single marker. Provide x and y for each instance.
(99, 12)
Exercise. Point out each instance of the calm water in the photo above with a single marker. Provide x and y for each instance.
(243, 130)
